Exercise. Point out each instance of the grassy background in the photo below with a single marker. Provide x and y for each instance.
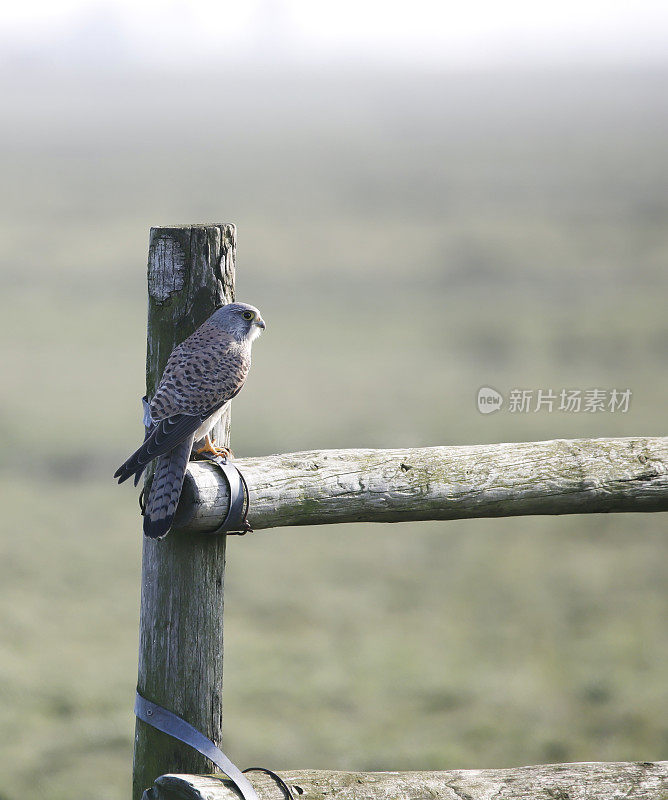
(409, 237)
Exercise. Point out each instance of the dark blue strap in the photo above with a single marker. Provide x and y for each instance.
(169, 723)
(236, 517)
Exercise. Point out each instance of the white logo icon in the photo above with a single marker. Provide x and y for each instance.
(489, 400)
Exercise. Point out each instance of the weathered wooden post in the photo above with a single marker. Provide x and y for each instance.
(190, 274)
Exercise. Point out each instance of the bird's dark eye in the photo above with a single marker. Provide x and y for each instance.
(247, 315)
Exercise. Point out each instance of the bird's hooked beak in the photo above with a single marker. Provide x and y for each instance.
(260, 323)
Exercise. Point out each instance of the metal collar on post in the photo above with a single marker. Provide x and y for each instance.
(173, 725)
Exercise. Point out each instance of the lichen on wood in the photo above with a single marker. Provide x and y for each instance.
(586, 781)
(329, 486)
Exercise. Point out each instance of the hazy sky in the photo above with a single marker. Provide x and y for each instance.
(475, 32)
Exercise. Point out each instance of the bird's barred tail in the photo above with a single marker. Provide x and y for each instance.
(165, 491)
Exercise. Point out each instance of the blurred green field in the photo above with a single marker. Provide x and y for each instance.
(408, 238)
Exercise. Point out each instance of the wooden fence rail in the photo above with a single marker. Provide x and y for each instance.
(498, 480)
(590, 781)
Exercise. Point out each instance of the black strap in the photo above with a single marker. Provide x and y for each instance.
(283, 786)
(173, 725)
(236, 518)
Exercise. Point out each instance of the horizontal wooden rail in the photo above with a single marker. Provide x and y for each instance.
(577, 476)
(592, 781)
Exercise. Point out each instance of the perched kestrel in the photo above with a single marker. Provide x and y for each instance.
(202, 375)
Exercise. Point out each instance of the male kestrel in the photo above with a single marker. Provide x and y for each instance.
(202, 375)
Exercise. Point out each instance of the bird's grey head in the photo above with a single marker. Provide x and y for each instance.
(240, 320)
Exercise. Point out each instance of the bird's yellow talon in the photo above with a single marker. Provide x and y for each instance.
(212, 449)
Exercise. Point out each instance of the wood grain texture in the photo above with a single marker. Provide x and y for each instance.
(190, 274)
(329, 486)
(587, 781)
